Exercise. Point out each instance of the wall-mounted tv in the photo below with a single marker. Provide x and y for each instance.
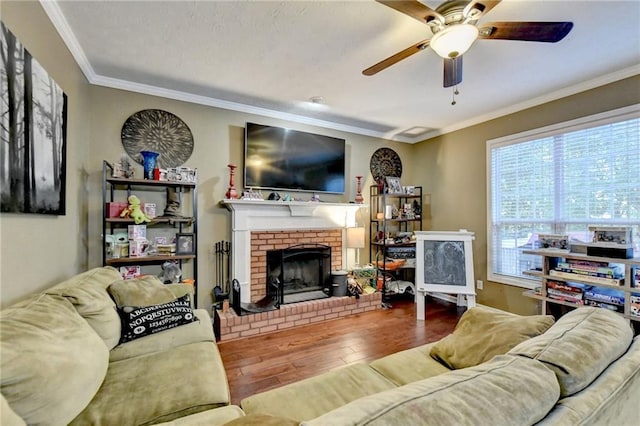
(290, 160)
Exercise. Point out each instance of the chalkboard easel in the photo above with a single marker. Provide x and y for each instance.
(444, 264)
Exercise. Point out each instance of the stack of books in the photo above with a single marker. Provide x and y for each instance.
(604, 297)
(635, 304)
(166, 249)
(566, 292)
(592, 272)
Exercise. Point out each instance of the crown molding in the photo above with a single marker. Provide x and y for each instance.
(60, 23)
(146, 89)
(567, 91)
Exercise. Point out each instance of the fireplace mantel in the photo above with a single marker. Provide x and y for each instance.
(257, 215)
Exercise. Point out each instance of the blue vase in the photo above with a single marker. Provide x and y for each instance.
(149, 159)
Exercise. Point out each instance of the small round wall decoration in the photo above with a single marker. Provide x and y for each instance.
(385, 162)
(157, 131)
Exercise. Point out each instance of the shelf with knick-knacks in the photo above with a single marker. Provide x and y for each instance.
(172, 232)
(395, 213)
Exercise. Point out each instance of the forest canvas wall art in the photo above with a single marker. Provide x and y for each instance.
(33, 118)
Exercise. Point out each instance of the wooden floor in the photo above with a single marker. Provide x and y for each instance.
(256, 364)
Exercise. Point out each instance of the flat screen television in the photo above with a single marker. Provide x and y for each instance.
(290, 160)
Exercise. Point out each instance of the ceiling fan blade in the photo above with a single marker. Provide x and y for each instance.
(548, 32)
(452, 71)
(477, 9)
(403, 54)
(414, 9)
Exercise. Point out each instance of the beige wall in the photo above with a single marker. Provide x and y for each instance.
(453, 168)
(218, 141)
(39, 250)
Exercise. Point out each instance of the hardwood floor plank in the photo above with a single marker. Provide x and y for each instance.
(260, 363)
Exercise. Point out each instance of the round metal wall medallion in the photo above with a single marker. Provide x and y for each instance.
(158, 131)
(385, 162)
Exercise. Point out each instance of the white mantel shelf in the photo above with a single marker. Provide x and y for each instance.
(257, 215)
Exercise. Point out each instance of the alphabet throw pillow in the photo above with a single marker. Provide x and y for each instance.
(140, 321)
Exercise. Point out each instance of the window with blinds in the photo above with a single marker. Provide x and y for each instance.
(560, 180)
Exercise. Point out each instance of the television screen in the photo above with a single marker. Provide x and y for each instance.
(284, 159)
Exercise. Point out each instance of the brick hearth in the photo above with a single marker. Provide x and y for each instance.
(291, 315)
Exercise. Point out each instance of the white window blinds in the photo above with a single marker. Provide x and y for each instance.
(560, 180)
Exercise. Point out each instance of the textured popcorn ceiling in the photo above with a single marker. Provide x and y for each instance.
(271, 57)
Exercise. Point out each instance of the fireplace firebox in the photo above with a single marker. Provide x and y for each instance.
(299, 273)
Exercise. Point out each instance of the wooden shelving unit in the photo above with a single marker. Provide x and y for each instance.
(550, 256)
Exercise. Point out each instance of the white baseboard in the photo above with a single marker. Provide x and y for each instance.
(454, 299)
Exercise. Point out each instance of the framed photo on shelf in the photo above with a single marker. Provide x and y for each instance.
(185, 243)
(393, 185)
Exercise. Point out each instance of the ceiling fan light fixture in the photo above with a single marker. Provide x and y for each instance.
(454, 40)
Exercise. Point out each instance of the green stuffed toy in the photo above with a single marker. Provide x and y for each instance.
(134, 211)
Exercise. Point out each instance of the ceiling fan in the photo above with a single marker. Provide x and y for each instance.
(454, 25)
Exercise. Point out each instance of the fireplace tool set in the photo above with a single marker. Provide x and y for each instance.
(223, 271)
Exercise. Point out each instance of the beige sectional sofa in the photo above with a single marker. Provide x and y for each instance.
(63, 361)
(583, 370)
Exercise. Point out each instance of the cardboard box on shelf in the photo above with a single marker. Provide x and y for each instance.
(137, 232)
(115, 208)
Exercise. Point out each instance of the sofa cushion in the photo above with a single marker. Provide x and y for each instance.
(611, 399)
(197, 331)
(8, 417)
(262, 420)
(144, 291)
(482, 333)
(409, 366)
(88, 294)
(507, 390)
(309, 398)
(140, 321)
(579, 346)
(215, 417)
(159, 387)
(52, 362)
(179, 290)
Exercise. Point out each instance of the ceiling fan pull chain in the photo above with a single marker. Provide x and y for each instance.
(453, 95)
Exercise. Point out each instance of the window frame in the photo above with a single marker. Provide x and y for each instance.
(583, 123)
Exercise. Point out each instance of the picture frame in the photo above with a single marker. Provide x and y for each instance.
(393, 185)
(185, 243)
(33, 174)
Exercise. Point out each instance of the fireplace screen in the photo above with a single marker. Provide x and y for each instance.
(299, 273)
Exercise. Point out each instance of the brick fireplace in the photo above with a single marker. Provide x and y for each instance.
(264, 241)
(258, 226)
(261, 226)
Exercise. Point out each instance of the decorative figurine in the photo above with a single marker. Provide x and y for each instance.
(173, 203)
(231, 194)
(134, 211)
(359, 197)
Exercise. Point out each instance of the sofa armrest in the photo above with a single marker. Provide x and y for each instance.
(198, 331)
